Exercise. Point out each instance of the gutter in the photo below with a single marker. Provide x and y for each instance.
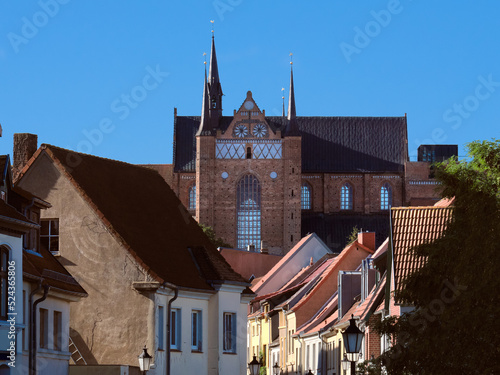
(33, 336)
(169, 316)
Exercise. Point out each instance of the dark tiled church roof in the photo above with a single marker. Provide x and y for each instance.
(334, 229)
(145, 215)
(329, 144)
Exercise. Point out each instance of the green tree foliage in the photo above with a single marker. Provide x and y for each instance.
(217, 241)
(454, 327)
(353, 236)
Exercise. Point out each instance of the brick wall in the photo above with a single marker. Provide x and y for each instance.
(372, 339)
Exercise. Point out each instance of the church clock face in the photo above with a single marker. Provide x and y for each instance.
(240, 130)
(259, 130)
(248, 105)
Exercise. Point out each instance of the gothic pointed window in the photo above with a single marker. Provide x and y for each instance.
(346, 197)
(248, 212)
(385, 196)
(192, 198)
(305, 196)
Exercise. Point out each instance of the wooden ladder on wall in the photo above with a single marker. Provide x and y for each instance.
(76, 356)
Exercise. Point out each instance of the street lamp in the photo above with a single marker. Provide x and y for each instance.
(254, 366)
(346, 364)
(276, 369)
(353, 339)
(145, 360)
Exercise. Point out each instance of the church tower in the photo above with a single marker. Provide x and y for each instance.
(248, 171)
(292, 159)
(211, 112)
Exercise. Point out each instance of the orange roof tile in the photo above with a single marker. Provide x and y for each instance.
(411, 227)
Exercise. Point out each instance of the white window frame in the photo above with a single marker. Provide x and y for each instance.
(197, 330)
(175, 328)
(161, 327)
(229, 332)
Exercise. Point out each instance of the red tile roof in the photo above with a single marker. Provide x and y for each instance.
(146, 217)
(413, 226)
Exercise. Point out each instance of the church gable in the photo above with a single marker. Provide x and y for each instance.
(249, 122)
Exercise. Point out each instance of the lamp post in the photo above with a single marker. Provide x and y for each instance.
(254, 366)
(353, 338)
(145, 360)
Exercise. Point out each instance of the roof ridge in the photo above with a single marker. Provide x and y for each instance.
(49, 146)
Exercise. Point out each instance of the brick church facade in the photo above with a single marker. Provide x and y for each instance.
(263, 182)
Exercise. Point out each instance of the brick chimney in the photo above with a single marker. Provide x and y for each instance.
(25, 145)
(367, 239)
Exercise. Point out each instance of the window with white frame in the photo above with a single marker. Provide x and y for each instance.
(196, 330)
(161, 328)
(385, 196)
(57, 331)
(49, 235)
(175, 329)
(192, 198)
(229, 333)
(346, 197)
(44, 328)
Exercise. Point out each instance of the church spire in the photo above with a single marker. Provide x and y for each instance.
(292, 127)
(205, 125)
(214, 87)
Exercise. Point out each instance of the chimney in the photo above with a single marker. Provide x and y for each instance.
(25, 145)
(263, 248)
(367, 239)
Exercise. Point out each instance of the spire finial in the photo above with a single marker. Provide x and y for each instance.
(212, 22)
(291, 58)
(205, 62)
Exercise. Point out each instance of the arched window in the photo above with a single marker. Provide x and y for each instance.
(192, 198)
(385, 196)
(248, 211)
(346, 197)
(305, 196)
(4, 265)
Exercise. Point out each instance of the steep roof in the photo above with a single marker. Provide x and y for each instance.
(411, 227)
(329, 144)
(144, 214)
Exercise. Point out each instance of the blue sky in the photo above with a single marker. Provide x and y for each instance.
(70, 70)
